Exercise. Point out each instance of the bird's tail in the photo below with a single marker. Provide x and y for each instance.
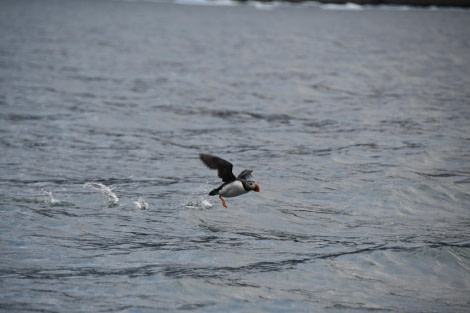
(214, 192)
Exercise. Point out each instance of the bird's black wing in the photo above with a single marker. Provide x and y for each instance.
(246, 174)
(224, 168)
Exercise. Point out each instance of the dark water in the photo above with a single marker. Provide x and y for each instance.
(356, 123)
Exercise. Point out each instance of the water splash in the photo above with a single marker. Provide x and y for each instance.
(198, 204)
(52, 201)
(141, 204)
(107, 192)
(196, 200)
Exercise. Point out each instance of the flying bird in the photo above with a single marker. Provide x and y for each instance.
(232, 186)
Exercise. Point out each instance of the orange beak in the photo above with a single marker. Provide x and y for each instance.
(256, 187)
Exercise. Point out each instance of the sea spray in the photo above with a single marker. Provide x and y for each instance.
(141, 204)
(110, 197)
(51, 200)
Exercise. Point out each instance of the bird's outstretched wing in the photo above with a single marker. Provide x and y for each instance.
(224, 168)
(246, 174)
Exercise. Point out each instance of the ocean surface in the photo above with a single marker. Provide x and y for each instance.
(355, 121)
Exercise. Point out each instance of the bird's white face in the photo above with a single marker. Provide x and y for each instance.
(253, 186)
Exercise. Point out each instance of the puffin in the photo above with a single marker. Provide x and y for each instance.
(232, 186)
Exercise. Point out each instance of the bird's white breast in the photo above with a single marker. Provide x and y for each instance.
(232, 189)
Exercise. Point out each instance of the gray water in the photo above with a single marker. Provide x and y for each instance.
(356, 124)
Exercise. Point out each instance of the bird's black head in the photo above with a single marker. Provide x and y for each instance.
(251, 185)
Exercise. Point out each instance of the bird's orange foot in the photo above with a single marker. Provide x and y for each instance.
(223, 201)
